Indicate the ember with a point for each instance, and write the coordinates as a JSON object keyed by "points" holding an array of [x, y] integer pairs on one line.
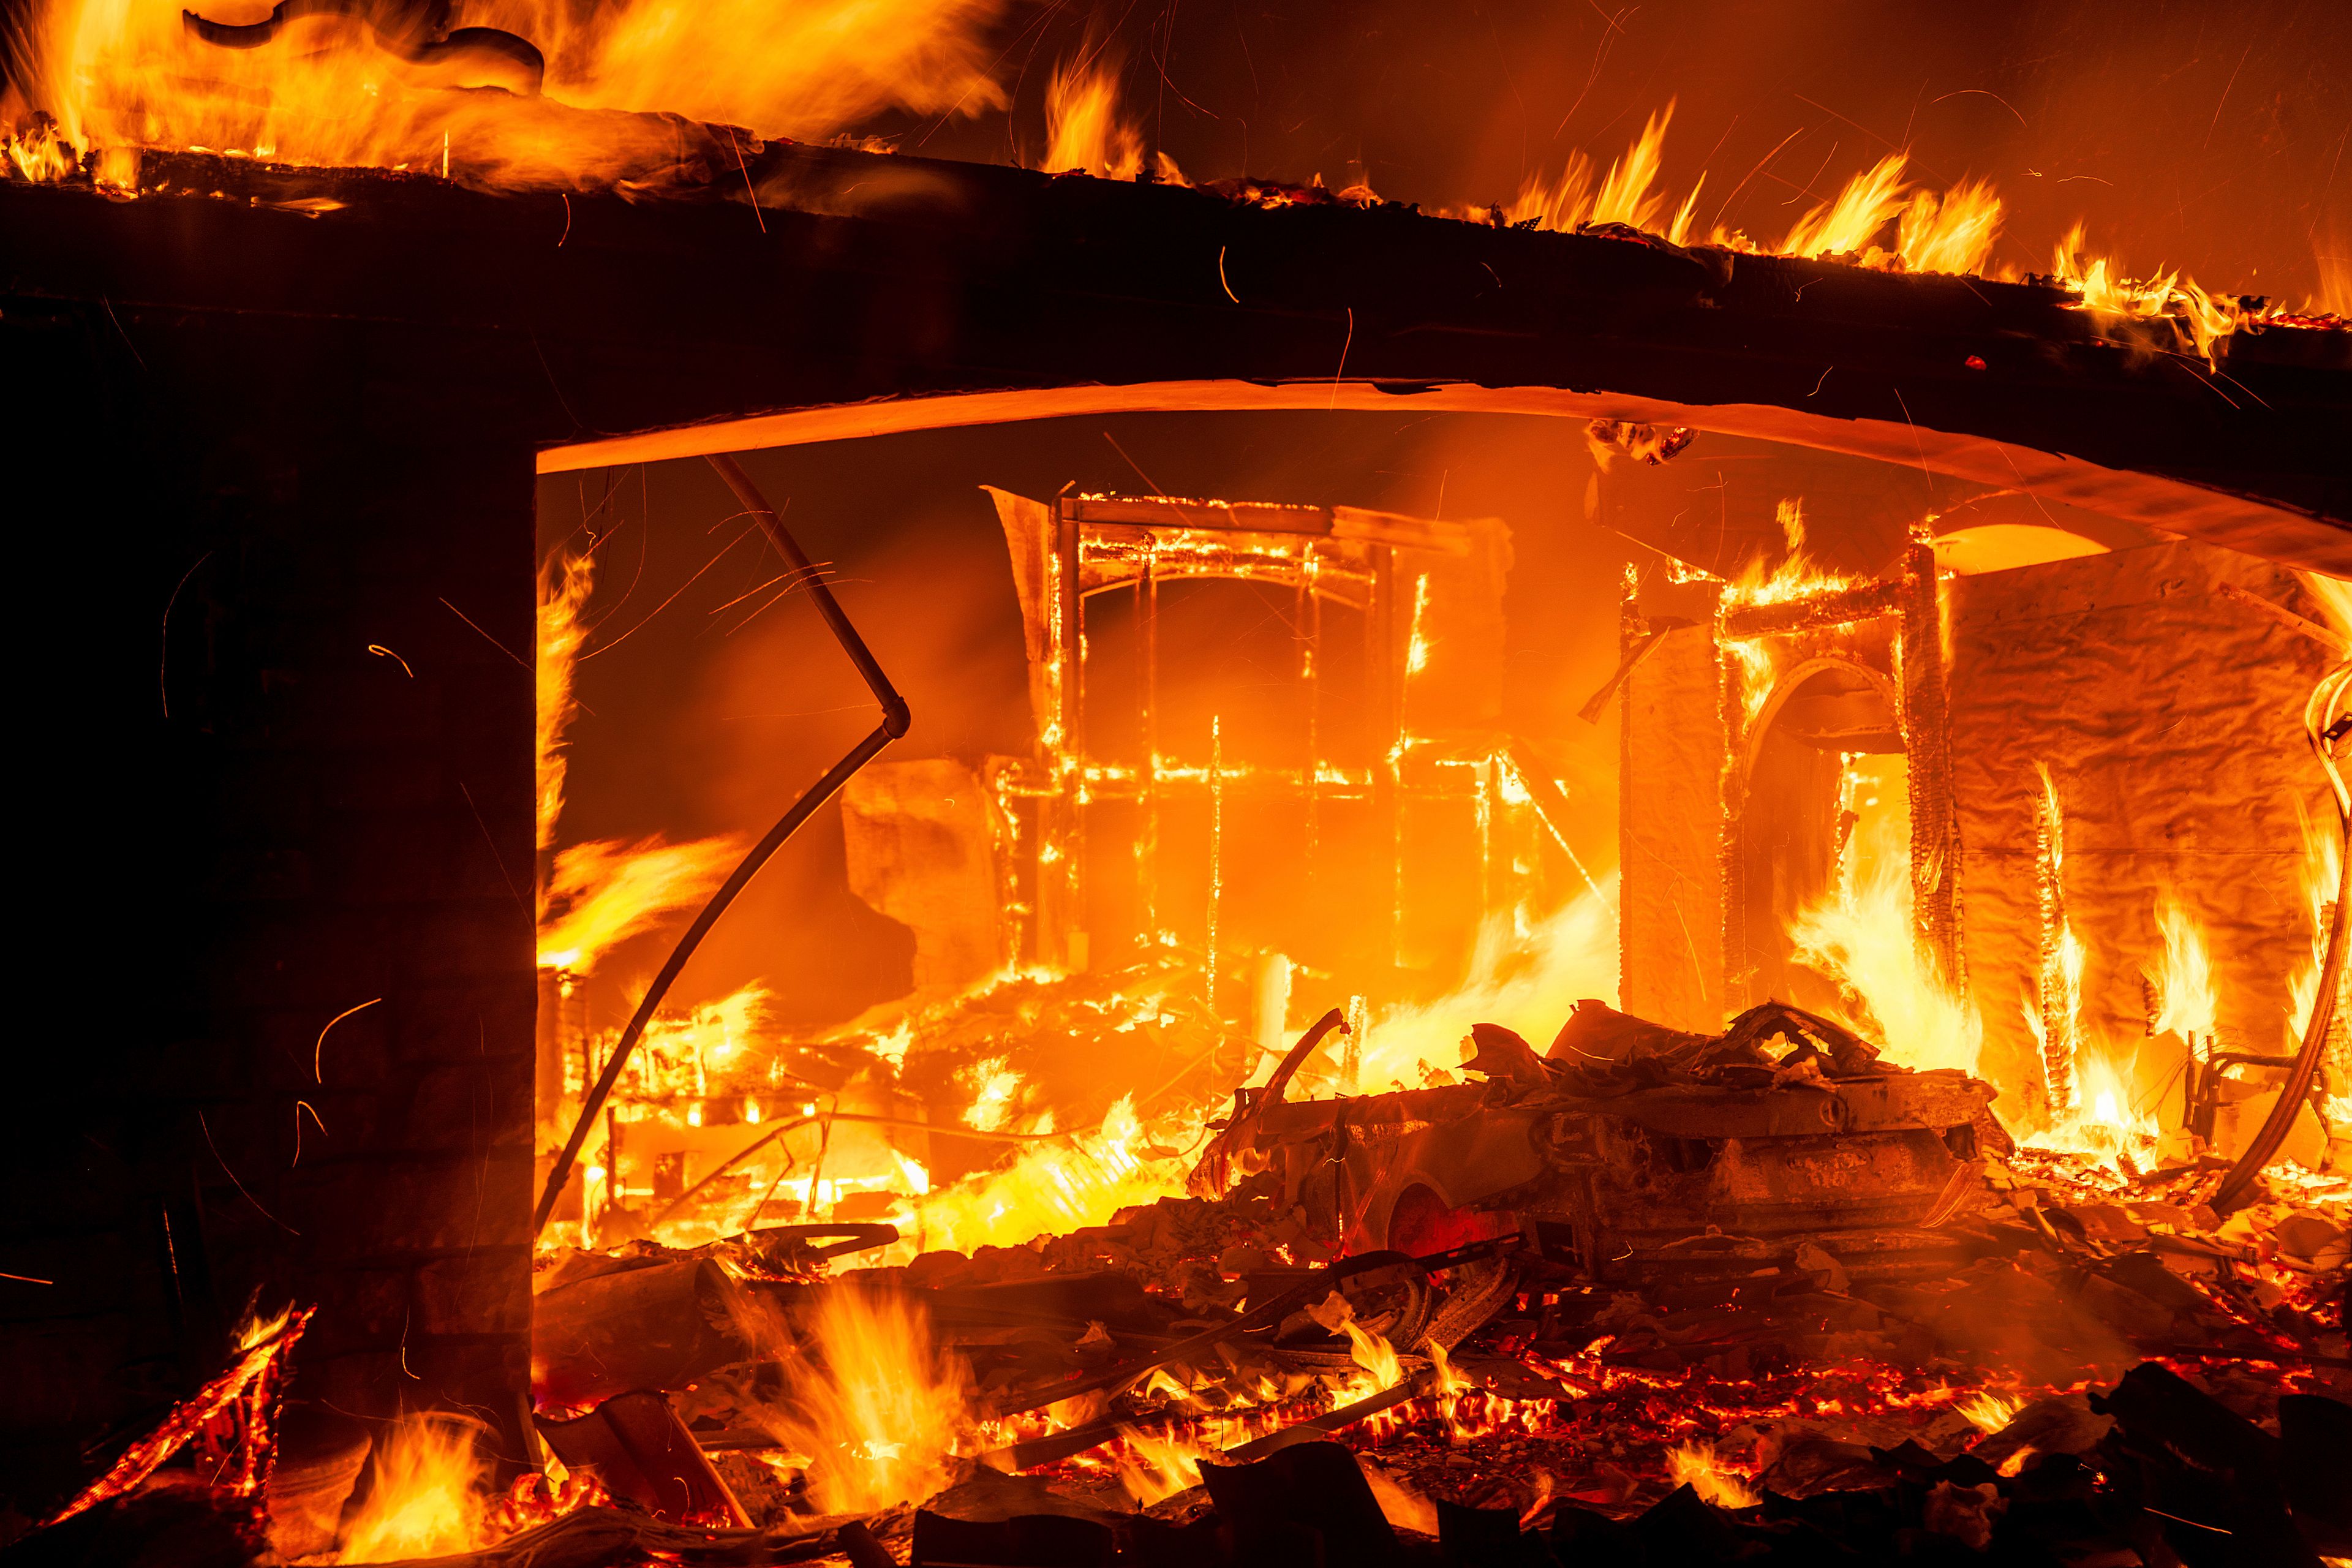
{"points": [[1078, 889]]}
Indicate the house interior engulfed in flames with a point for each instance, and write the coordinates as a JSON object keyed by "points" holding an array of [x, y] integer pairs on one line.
{"points": [[1654, 874]]}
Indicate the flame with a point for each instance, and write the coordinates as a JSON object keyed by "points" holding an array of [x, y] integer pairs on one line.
{"points": [[1795, 575], [998, 1086], [609, 891], [1156, 1466], [1375, 1356], [333, 91], [1084, 130], [1625, 194], [2321, 869], [1989, 1411], [427, 1499], [1953, 234], [563, 591], [1525, 976], [1863, 936], [1848, 225], [882, 1415], [1051, 1188], [2103, 287], [2186, 1003], [1696, 1465]]}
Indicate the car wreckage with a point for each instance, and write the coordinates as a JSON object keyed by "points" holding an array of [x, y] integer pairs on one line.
{"points": [[1637, 1154]]}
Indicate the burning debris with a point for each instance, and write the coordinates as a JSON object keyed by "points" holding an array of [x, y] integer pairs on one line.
{"points": [[2085, 1360], [1930, 1142]]}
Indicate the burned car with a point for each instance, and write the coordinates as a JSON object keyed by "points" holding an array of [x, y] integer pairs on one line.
{"points": [[1637, 1154]]}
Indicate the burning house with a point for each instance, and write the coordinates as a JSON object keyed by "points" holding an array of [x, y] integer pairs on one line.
{"points": [[1770, 985]]}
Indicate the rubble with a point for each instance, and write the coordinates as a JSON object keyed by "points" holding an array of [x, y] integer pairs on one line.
{"points": [[2109, 1372]]}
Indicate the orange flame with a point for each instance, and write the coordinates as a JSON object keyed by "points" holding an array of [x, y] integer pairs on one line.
{"points": [[1084, 127]]}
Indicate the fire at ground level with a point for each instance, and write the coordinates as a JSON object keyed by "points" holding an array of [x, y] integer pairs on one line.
{"points": [[1479, 1277], [1667, 1331]]}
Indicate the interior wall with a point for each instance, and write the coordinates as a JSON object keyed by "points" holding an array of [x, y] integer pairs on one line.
{"points": [[2172, 719]]}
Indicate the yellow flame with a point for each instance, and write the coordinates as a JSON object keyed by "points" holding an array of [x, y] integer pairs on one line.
{"points": [[1861, 934], [1624, 195], [1375, 1356], [2321, 869], [1953, 234], [1159, 1466], [428, 1496], [1848, 225], [609, 891], [1525, 975], [1988, 1411], [1084, 127], [1696, 1465], [2103, 287], [1050, 1189], [1795, 575], [998, 1086], [882, 1416], [2186, 1003]]}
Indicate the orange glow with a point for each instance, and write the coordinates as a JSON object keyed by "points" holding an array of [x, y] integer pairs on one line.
{"points": [[427, 1499]]}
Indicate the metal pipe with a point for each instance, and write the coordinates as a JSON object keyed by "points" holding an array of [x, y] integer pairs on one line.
{"points": [[2324, 728], [895, 720]]}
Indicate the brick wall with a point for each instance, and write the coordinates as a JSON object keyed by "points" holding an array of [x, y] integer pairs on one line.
{"points": [[242, 822]]}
